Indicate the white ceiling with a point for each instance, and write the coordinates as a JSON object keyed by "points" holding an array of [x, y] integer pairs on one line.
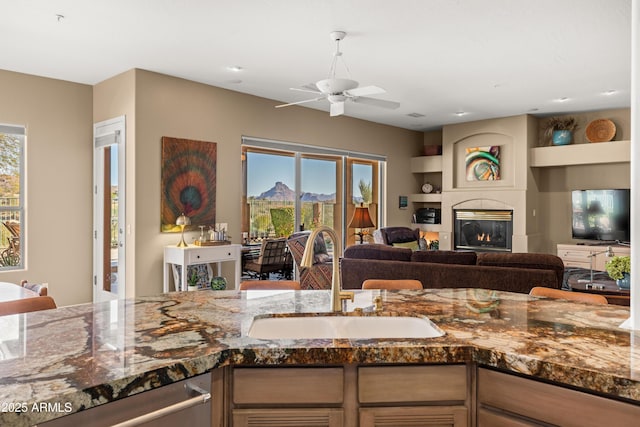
{"points": [[488, 58]]}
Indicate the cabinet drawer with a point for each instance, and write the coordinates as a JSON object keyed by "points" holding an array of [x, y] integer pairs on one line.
{"points": [[576, 264], [387, 384], [288, 386], [568, 254], [204, 255]]}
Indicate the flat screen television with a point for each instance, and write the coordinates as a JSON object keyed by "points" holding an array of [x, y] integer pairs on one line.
{"points": [[601, 215]]}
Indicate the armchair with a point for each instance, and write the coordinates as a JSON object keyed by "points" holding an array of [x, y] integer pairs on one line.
{"points": [[319, 275]]}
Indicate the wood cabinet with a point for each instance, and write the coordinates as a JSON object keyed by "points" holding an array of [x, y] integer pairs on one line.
{"points": [[510, 400], [438, 395], [580, 255], [348, 395]]}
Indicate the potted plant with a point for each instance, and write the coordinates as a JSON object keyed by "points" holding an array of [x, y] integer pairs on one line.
{"points": [[192, 281], [560, 129], [619, 268]]}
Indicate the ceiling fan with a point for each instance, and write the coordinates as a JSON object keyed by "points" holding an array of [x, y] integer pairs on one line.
{"points": [[340, 90]]}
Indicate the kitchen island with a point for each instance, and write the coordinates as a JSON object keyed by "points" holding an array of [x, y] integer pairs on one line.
{"points": [[75, 358]]}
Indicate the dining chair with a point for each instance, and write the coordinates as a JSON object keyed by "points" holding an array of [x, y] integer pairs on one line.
{"points": [[26, 305], [541, 291], [269, 284], [392, 284], [270, 260]]}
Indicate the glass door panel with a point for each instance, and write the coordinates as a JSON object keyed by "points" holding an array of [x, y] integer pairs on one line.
{"points": [[319, 194], [363, 189], [270, 195]]}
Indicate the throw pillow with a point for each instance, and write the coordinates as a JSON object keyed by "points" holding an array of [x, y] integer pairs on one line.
{"points": [[401, 235], [409, 245]]}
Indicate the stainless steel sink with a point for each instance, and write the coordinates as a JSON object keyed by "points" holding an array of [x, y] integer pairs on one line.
{"points": [[348, 327]]}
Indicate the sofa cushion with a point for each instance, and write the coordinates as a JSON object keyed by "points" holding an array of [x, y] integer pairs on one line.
{"points": [[523, 260], [445, 257], [378, 251]]}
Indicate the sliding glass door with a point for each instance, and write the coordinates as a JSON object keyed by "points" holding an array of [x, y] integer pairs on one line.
{"points": [[287, 192], [290, 187]]}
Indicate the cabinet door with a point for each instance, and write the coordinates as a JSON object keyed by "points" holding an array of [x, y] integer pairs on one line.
{"points": [[548, 403], [440, 416], [311, 417]]}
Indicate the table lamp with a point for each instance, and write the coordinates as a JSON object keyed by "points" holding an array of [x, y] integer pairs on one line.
{"points": [[182, 221], [590, 283], [361, 220]]}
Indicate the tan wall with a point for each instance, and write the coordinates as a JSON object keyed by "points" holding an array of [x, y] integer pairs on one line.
{"points": [[169, 106], [57, 115]]}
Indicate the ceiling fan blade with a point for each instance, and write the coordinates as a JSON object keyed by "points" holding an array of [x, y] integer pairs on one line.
{"points": [[320, 98], [364, 91], [305, 89], [337, 109], [377, 102]]}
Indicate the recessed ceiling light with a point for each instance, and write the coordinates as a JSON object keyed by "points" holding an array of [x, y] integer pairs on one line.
{"points": [[533, 110], [415, 115], [563, 99], [461, 113], [235, 68], [609, 92], [59, 17]]}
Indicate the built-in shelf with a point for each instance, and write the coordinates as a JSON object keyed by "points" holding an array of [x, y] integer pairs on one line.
{"points": [[427, 227], [580, 154], [425, 198], [425, 164]]}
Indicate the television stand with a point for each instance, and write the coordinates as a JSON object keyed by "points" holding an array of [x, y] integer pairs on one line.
{"points": [[579, 256]]}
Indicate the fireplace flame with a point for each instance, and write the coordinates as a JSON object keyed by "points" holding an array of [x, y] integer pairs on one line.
{"points": [[484, 237]]}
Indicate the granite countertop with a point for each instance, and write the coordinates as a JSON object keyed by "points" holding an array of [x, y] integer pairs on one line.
{"points": [[81, 356]]}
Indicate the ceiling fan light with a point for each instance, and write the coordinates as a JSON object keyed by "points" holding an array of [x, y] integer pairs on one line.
{"points": [[336, 86]]}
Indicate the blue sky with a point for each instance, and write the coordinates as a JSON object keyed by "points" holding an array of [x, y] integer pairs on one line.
{"points": [[264, 170]]}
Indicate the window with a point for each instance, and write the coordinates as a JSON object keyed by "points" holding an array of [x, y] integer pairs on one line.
{"points": [[12, 139], [291, 187]]}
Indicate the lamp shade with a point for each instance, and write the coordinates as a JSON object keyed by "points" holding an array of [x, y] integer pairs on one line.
{"points": [[183, 220], [361, 218]]}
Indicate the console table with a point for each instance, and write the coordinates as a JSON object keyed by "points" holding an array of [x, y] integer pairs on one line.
{"points": [[192, 255], [605, 287]]}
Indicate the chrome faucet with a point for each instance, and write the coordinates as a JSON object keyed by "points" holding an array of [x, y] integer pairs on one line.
{"points": [[337, 295]]}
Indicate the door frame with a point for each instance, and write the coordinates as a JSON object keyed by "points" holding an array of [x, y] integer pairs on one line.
{"points": [[107, 133]]}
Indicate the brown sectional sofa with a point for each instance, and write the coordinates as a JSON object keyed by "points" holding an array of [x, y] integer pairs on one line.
{"points": [[515, 272]]}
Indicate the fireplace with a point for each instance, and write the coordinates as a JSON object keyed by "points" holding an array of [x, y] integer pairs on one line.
{"points": [[483, 230]]}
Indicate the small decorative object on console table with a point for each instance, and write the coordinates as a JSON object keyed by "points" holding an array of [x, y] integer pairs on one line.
{"points": [[560, 129], [619, 268], [362, 220]]}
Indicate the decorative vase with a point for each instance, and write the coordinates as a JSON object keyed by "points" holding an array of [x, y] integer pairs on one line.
{"points": [[561, 137], [218, 283], [625, 282], [192, 287]]}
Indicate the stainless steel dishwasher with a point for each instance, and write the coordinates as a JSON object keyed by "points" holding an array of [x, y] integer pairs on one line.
{"points": [[186, 403]]}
